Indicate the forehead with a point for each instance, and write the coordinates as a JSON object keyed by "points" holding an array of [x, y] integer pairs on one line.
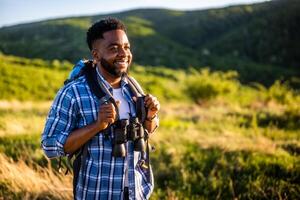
{"points": [[113, 37]]}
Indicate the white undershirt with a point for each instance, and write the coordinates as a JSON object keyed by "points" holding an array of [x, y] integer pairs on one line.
{"points": [[124, 111]]}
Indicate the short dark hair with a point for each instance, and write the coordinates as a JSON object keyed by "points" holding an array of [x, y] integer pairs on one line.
{"points": [[98, 28]]}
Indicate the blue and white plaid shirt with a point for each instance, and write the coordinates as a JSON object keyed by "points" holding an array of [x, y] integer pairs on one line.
{"points": [[75, 106]]}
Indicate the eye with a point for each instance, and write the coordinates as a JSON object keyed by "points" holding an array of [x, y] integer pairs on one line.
{"points": [[113, 49], [127, 47]]}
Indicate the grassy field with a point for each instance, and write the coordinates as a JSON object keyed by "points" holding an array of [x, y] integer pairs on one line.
{"points": [[218, 139]]}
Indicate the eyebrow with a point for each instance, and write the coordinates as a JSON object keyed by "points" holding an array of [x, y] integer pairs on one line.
{"points": [[116, 44]]}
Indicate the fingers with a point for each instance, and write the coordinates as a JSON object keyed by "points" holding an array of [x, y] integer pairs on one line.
{"points": [[148, 99], [107, 113], [152, 103], [134, 99], [118, 103], [109, 120], [154, 106], [107, 107]]}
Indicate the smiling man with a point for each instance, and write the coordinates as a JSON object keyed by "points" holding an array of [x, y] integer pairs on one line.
{"points": [[107, 134]]}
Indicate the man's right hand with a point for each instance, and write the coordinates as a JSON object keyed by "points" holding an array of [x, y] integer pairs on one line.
{"points": [[106, 115]]}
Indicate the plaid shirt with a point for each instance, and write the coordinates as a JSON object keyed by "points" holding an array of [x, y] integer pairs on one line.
{"points": [[103, 175]]}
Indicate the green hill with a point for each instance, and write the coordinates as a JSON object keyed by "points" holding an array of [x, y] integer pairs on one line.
{"points": [[260, 41], [38, 80], [30, 79]]}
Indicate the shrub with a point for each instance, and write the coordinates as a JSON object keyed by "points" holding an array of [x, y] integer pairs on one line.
{"points": [[281, 93], [206, 85]]}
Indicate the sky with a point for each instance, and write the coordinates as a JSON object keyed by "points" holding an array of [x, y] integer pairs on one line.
{"points": [[17, 11]]}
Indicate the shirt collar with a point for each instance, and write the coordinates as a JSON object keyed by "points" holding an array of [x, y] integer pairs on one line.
{"points": [[124, 81]]}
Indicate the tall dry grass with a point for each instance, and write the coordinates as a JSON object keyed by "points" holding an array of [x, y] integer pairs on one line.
{"points": [[24, 182], [18, 118], [215, 125]]}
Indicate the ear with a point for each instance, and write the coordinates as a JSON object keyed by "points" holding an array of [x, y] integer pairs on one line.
{"points": [[96, 56], [96, 45]]}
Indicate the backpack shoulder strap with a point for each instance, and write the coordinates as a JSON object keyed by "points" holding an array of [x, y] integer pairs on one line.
{"points": [[134, 84], [91, 77], [138, 92]]}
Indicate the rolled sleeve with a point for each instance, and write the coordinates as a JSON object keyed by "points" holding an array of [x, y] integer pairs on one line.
{"points": [[61, 121]]}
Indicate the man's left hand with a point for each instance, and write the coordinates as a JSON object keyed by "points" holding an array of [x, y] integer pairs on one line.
{"points": [[152, 104]]}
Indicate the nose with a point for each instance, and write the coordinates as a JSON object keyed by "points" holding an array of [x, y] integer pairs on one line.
{"points": [[122, 52]]}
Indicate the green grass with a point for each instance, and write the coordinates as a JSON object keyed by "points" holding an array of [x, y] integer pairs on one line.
{"points": [[25, 147], [223, 140], [217, 174], [23, 79]]}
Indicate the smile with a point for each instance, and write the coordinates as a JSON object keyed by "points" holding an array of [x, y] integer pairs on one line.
{"points": [[125, 62]]}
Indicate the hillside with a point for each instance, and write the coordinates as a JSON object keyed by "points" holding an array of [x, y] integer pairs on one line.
{"points": [[31, 79], [260, 41], [221, 140]]}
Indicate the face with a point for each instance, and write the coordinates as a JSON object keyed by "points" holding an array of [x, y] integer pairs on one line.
{"points": [[112, 53]]}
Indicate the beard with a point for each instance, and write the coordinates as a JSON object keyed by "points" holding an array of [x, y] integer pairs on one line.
{"points": [[112, 69]]}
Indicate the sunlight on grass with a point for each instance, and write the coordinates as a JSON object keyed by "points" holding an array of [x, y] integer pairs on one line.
{"points": [[22, 117], [218, 139], [23, 182]]}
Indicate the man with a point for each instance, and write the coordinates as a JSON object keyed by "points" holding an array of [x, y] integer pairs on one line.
{"points": [[78, 119]]}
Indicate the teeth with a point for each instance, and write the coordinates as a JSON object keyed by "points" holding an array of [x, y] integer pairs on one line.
{"points": [[121, 62]]}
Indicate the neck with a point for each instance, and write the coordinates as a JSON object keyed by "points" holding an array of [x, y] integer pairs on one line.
{"points": [[114, 81]]}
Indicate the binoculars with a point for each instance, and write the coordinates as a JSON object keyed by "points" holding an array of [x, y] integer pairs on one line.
{"points": [[125, 130]]}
